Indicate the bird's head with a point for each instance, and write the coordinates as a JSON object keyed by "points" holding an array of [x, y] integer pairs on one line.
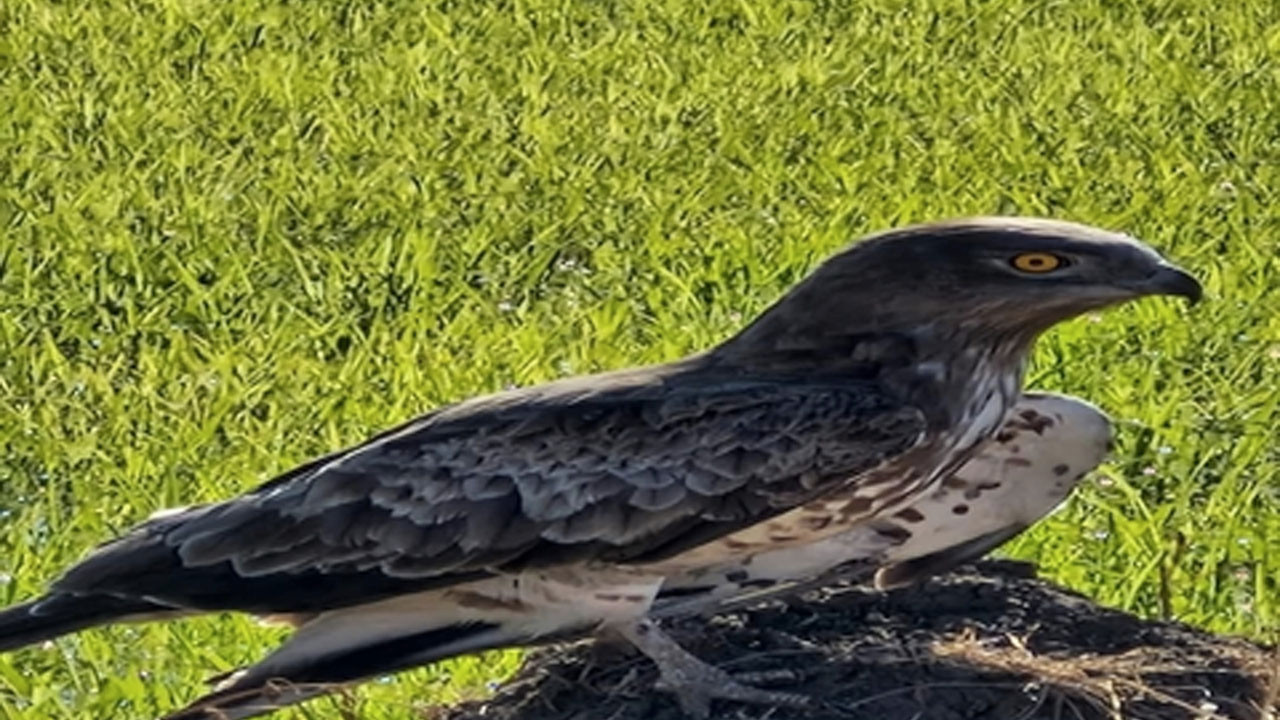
{"points": [[1006, 273], [997, 278]]}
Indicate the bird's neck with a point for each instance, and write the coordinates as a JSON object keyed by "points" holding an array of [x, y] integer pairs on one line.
{"points": [[932, 367], [959, 374], [862, 350]]}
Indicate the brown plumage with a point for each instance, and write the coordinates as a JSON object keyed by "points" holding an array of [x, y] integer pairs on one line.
{"points": [[563, 506], [1046, 444]]}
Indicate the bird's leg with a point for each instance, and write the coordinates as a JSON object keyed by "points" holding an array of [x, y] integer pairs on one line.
{"points": [[856, 571], [695, 683], [714, 602]]}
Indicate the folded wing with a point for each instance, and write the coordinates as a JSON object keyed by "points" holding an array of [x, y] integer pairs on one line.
{"points": [[564, 473]]}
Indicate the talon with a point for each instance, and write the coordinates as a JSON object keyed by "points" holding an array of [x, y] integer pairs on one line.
{"points": [[766, 677], [695, 683]]}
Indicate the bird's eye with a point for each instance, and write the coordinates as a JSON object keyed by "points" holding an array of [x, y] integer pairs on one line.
{"points": [[1037, 262]]}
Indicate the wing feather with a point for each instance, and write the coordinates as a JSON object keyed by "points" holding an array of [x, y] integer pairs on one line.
{"points": [[526, 479]]}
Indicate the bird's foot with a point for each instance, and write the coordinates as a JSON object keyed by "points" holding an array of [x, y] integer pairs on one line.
{"points": [[695, 688], [696, 683]]}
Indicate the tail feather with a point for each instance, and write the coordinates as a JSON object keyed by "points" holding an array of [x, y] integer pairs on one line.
{"points": [[913, 570], [270, 686], [59, 614], [252, 702]]}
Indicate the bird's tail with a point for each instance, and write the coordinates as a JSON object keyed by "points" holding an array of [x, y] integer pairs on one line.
{"points": [[341, 647], [60, 613], [913, 570]]}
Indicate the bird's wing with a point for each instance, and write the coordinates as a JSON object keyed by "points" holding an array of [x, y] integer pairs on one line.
{"points": [[518, 480]]}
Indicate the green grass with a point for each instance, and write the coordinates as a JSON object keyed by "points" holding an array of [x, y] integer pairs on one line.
{"points": [[237, 234]]}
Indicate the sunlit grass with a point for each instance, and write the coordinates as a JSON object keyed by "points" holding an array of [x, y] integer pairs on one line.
{"points": [[238, 234]]}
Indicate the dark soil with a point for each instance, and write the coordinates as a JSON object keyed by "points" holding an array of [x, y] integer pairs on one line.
{"points": [[990, 643]]}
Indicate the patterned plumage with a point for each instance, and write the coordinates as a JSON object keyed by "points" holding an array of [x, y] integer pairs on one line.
{"points": [[520, 516], [1046, 444]]}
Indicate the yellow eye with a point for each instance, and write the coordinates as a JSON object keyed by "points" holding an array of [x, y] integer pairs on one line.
{"points": [[1037, 262]]}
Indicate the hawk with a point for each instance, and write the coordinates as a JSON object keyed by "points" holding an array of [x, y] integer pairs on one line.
{"points": [[518, 517]]}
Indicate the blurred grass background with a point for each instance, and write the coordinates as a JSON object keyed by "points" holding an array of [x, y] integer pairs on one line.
{"points": [[238, 234]]}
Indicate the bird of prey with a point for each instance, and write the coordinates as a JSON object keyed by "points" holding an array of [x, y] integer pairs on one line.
{"points": [[513, 518]]}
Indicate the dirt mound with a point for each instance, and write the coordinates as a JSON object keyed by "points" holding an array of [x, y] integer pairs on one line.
{"points": [[990, 643]]}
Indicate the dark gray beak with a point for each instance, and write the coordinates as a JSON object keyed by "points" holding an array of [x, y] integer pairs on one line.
{"points": [[1173, 280]]}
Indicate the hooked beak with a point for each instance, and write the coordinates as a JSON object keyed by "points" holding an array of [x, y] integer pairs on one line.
{"points": [[1172, 280]]}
